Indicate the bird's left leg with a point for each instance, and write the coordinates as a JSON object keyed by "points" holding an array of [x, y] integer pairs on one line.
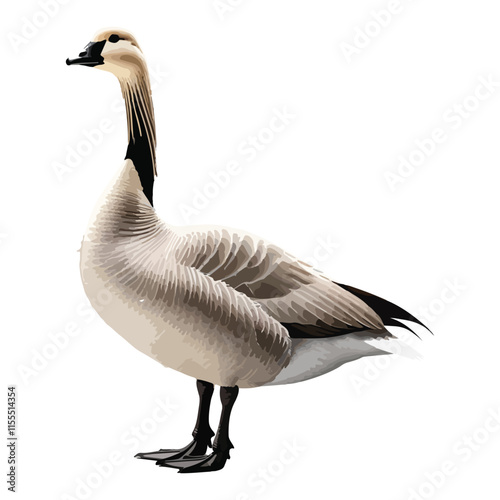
{"points": [[222, 444]]}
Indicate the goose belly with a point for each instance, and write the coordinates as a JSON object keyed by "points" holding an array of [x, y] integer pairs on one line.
{"points": [[174, 337]]}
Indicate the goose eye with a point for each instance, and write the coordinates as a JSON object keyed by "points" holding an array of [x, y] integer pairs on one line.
{"points": [[114, 38]]}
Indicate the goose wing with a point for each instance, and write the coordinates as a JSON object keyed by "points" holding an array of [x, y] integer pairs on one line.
{"points": [[303, 300]]}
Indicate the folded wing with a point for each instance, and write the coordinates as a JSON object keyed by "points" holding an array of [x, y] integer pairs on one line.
{"points": [[304, 301]]}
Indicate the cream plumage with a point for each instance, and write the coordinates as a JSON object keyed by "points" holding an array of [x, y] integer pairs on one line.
{"points": [[218, 304]]}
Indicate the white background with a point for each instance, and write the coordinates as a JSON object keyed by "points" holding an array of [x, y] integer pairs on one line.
{"points": [[371, 429]]}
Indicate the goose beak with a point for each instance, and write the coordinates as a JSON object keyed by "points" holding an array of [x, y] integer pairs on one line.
{"points": [[91, 56]]}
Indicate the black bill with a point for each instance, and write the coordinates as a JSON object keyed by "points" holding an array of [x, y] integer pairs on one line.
{"points": [[91, 56]]}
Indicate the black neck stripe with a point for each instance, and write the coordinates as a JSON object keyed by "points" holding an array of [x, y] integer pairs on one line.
{"points": [[140, 152]]}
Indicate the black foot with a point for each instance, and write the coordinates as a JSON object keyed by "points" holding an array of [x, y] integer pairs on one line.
{"points": [[207, 463], [194, 448]]}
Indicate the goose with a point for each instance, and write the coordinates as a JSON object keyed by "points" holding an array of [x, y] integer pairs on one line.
{"points": [[221, 305]]}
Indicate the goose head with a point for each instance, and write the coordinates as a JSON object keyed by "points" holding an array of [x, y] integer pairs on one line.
{"points": [[113, 50]]}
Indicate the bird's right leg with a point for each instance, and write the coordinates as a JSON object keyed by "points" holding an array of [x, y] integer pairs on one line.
{"points": [[202, 433]]}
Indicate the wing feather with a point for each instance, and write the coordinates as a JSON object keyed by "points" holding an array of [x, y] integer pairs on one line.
{"points": [[288, 290]]}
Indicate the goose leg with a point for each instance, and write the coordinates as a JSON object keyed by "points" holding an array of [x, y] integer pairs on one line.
{"points": [[222, 444], [202, 433]]}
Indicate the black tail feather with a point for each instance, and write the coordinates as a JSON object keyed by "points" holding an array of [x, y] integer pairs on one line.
{"points": [[389, 313], [395, 322]]}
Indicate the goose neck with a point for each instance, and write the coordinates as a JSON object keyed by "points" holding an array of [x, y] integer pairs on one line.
{"points": [[141, 148]]}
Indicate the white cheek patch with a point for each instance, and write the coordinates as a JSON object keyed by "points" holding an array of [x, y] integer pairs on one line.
{"points": [[111, 48], [112, 54]]}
